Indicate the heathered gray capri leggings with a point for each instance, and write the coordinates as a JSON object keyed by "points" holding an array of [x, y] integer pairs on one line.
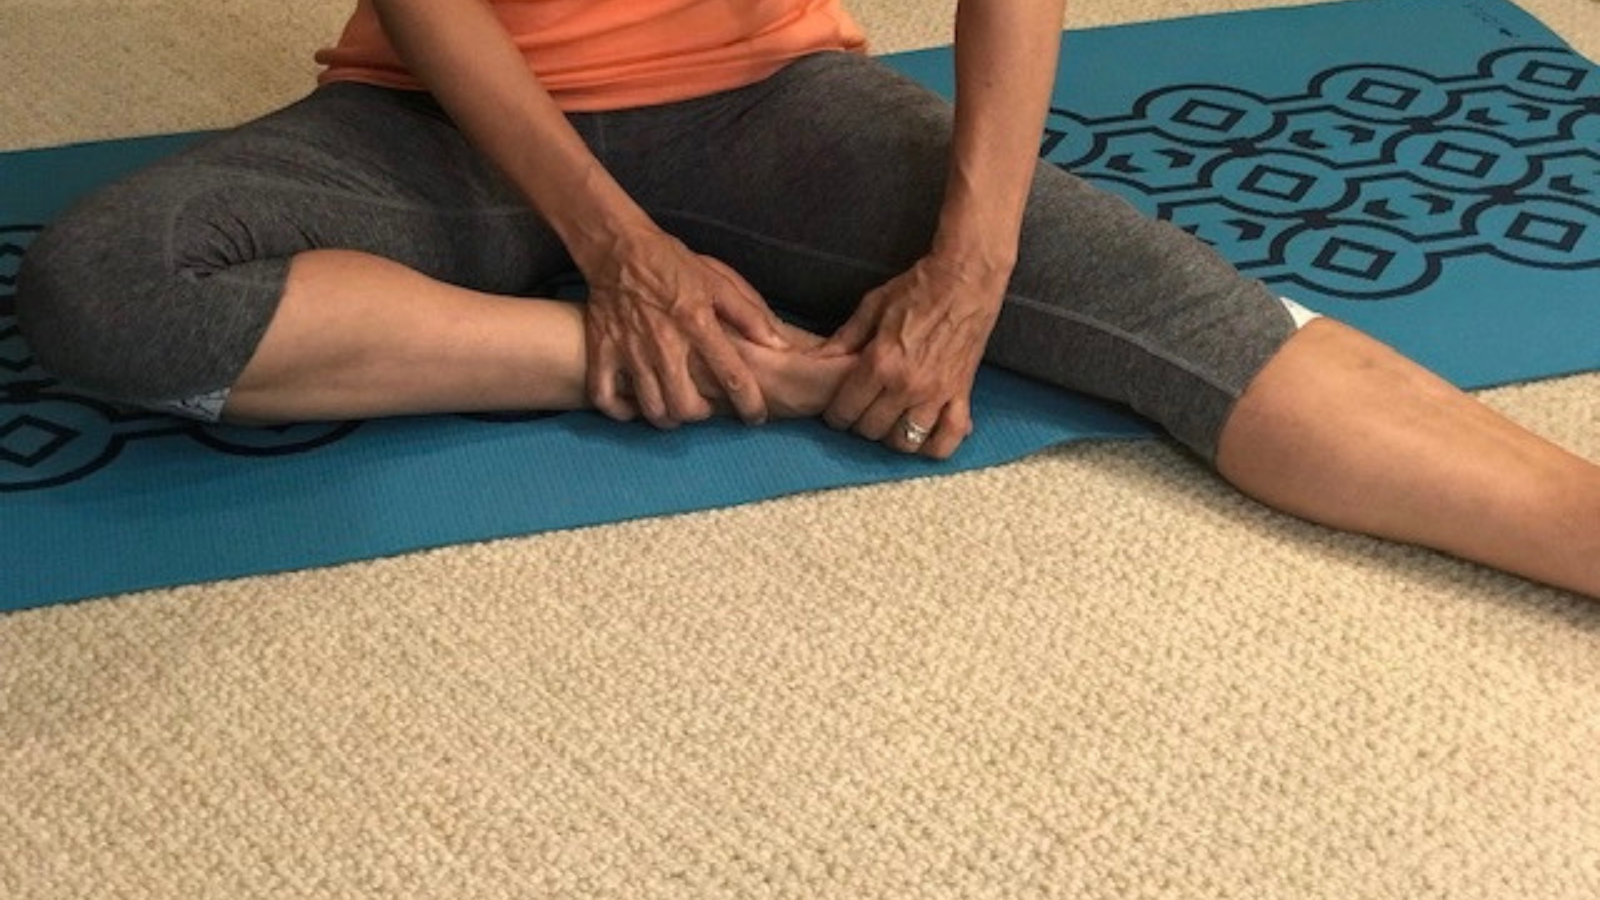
{"points": [[817, 185]]}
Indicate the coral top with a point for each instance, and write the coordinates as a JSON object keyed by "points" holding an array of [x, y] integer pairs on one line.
{"points": [[613, 54]]}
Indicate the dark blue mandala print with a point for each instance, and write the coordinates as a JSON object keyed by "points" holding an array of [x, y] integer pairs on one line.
{"points": [[1369, 183]]}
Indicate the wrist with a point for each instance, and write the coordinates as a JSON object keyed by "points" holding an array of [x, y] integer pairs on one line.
{"points": [[978, 239], [982, 263], [595, 218], [602, 245]]}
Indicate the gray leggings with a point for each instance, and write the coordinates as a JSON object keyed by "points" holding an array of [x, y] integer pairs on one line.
{"points": [[817, 185]]}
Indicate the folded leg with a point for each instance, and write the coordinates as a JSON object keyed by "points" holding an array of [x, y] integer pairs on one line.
{"points": [[355, 228]]}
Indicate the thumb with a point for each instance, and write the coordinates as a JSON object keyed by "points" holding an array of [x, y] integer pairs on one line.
{"points": [[853, 335]]}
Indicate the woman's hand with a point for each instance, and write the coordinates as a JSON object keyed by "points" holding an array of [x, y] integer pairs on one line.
{"points": [[656, 315], [922, 335], [920, 338]]}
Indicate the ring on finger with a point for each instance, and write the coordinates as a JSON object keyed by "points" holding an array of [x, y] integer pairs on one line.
{"points": [[913, 433]]}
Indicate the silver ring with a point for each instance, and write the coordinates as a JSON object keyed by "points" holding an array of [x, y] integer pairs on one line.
{"points": [[912, 432]]}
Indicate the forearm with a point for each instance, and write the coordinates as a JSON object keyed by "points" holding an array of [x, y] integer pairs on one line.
{"points": [[462, 53], [1005, 67]]}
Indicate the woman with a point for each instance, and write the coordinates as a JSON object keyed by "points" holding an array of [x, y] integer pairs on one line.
{"points": [[371, 250]]}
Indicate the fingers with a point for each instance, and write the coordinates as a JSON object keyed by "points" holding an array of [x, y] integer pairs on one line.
{"points": [[648, 395], [607, 383], [730, 371], [678, 399], [912, 429], [885, 399], [931, 428], [742, 307], [859, 392], [935, 430], [953, 427], [733, 302], [630, 376], [655, 378]]}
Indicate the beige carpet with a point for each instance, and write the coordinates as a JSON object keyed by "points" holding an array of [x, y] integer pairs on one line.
{"points": [[1093, 674]]}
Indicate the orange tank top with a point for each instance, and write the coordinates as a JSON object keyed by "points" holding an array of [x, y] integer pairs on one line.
{"points": [[614, 54]]}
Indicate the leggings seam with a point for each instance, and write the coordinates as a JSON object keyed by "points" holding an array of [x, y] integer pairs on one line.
{"points": [[1021, 300], [1136, 340], [180, 208], [292, 187], [778, 243]]}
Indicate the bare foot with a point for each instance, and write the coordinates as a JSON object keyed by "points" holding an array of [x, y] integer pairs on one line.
{"points": [[795, 384]]}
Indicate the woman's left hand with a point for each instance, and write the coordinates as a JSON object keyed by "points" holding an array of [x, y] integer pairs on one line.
{"points": [[920, 338]]}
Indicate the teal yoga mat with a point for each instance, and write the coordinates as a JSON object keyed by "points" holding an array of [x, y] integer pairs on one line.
{"points": [[1443, 193]]}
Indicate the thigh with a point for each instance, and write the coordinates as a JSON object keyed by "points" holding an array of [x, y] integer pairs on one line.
{"points": [[1113, 303], [351, 167]]}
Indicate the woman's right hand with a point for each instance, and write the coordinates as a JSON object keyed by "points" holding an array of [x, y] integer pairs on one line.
{"points": [[657, 312]]}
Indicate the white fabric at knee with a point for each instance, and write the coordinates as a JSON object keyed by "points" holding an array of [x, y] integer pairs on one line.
{"points": [[1299, 313]]}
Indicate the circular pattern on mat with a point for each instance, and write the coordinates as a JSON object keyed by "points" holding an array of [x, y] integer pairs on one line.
{"points": [[1376, 179]]}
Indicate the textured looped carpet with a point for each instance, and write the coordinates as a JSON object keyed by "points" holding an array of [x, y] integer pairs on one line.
{"points": [[1096, 673]]}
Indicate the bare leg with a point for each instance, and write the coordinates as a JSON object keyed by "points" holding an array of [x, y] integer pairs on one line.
{"points": [[357, 336], [1342, 430]]}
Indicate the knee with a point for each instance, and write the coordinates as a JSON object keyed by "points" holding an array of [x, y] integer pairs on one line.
{"points": [[63, 317], [85, 311]]}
